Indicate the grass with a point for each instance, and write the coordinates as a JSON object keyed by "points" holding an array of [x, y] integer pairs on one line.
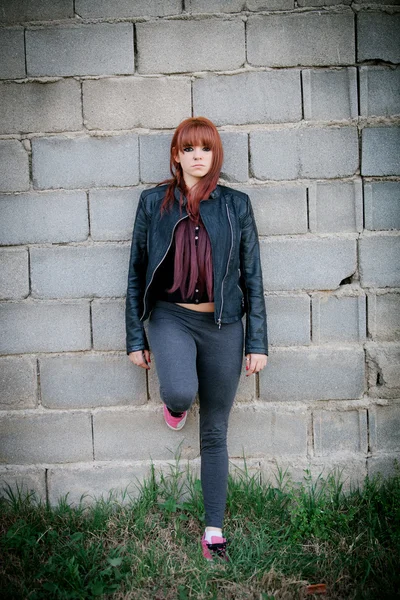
{"points": [[283, 537]]}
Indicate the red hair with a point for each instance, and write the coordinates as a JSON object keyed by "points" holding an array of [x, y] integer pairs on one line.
{"points": [[195, 131]]}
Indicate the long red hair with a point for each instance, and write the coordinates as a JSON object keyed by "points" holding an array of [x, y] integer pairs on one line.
{"points": [[194, 131]]}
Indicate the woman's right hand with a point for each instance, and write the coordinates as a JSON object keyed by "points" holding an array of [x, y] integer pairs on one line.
{"points": [[141, 358]]}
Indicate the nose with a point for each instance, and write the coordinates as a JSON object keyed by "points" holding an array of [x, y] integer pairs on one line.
{"points": [[197, 153]]}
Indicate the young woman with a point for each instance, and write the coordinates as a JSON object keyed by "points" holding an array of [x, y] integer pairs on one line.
{"points": [[194, 271]]}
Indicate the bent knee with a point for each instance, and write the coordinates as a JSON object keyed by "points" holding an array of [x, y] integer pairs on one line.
{"points": [[177, 401]]}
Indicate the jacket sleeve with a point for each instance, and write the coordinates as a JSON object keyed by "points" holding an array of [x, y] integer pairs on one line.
{"points": [[256, 338], [135, 334]]}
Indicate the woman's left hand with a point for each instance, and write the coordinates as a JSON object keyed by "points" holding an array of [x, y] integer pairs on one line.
{"points": [[255, 363]]}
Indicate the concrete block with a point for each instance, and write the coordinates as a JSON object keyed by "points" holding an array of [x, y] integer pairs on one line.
{"points": [[154, 157], [24, 480], [14, 166], [108, 317], [273, 431], [90, 381], [136, 102], [213, 6], [256, 5], [308, 263], [383, 370], [88, 482], [19, 11], [14, 276], [279, 209], [321, 3], [43, 218], [235, 167], [382, 205], [379, 260], [384, 317], [380, 151], [103, 9], [377, 36], [308, 374], [44, 327], [350, 470], [338, 318], [337, 432], [222, 43], [112, 213], [45, 438], [330, 94], [303, 38], [387, 465], [76, 271], [84, 49], [379, 91], [12, 53], [143, 435], [61, 162], [384, 423], [42, 107], [288, 320], [275, 97], [308, 152], [335, 207], [18, 382]]}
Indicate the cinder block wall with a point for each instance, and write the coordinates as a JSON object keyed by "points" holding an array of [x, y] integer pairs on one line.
{"points": [[306, 96]]}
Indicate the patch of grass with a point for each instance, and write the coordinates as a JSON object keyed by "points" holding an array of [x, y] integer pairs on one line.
{"points": [[283, 536]]}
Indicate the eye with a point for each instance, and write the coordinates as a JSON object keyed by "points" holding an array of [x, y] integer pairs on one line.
{"points": [[188, 149], [207, 149]]}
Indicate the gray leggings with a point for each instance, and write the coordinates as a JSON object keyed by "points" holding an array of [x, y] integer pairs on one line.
{"points": [[191, 354]]}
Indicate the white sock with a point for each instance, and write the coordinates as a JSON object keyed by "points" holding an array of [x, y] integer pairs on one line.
{"points": [[210, 532]]}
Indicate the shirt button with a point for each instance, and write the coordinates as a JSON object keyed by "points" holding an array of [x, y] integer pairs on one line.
{"points": [[196, 301], [196, 237], [196, 290]]}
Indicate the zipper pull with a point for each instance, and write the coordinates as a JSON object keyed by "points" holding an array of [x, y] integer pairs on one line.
{"points": [[219, 323]]}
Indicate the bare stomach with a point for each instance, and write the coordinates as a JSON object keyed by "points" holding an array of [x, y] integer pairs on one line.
{"points": [[202, 307]]}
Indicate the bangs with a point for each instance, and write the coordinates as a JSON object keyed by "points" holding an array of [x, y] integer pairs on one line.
{"points": [[197, 134]]}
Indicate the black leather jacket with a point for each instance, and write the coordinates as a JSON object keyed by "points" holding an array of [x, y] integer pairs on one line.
{"points": [[238, 286]]}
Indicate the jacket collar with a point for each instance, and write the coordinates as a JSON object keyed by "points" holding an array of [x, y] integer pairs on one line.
{"points": [[214, 194]]}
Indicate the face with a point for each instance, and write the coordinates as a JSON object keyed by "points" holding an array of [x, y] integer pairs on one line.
{"points": [[195, 162]]}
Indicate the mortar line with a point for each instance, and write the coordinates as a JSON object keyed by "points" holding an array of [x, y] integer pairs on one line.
{"points": [[29, 272], [25, 57], [311, 314], [368, 434], [311, 445], [91, 324], [135, 48], [82, 110], [308, 208], [46, 485], [191, 96], [302, 94], [39, 389], [88, 214], [92, 429]]}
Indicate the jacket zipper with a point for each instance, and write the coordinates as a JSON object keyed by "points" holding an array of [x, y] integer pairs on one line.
{"points": [[152, 276], [227, 268]]}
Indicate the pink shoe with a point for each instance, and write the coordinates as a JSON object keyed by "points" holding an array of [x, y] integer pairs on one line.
{"points": [[174, 422], [217, 548]]}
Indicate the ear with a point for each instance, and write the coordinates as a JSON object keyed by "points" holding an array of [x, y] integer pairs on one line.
{"points": [[175, 155]]}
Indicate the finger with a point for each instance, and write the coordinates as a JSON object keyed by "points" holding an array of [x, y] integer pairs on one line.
{"points": [[252, 364], [147, 356]]}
